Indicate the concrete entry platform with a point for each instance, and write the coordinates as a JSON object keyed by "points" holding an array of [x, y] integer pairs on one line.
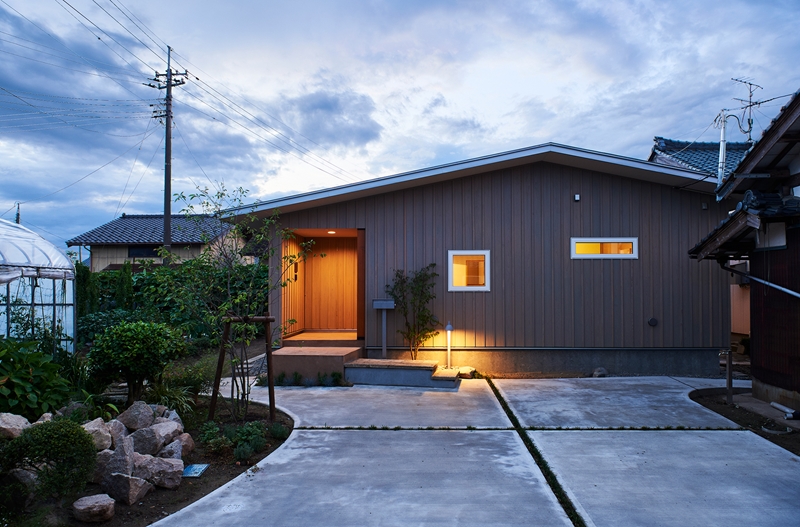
{"points": [[674, 477], [397, 372], [471, 405], [386, 477], [610, 402], [311, 361]]}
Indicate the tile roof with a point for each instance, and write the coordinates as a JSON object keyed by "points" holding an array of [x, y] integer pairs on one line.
{"points": [[702, 157], [133, 229]]}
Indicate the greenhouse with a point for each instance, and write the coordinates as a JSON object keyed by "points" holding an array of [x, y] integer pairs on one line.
{"points": [[36, 288]]}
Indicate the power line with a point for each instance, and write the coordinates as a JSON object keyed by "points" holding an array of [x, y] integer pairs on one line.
{"points": [[143, 173], [133, 165], [74, 182], [213, 184], [128, 30]]}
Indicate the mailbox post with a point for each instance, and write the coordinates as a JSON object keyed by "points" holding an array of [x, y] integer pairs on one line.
{"points": [[383, 304]]}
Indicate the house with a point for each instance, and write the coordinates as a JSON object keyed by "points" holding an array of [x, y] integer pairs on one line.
{"points": [[704, 158], [137, 237], [763, 230], [551, 259]]}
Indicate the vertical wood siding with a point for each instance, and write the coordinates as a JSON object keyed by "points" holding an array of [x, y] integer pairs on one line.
{"points": [[540, 297], [293, 295], [775, 316]]}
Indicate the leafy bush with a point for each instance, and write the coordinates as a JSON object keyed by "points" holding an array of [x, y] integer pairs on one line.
{"points": [[243, 451], [208, 431], [60, 452], [278, 431], [173, 397], [93, 325], [250, 431], [197, 378], [412, 293], [219, 445], [30, 384], [137, 351]]}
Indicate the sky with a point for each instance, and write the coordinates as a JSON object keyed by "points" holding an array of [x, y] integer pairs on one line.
{"points": [[287, 97]]}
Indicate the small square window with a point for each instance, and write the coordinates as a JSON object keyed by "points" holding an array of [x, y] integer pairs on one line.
{"points": [[468, 271], [604, 248]]}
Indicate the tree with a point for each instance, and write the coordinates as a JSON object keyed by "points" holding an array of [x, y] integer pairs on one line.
{"points": [[136, 351], [124, 291], [412, 294], [237, 274]]}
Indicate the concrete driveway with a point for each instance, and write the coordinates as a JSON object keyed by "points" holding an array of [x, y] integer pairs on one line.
{"points": [[457, 460]]}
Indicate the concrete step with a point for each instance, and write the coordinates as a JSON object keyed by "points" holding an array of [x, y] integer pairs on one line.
{"points": [[392, 372]]}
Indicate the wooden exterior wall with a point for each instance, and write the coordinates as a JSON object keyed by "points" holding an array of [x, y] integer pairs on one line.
{"points": [[331, 285], [293, 295], [540, 297], [105, 255], [775, 316]]}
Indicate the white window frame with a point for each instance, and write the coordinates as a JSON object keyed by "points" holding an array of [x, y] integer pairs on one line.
{"points": [[575, 256], [487, 268]]}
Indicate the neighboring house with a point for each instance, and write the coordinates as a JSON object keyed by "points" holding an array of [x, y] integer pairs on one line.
{"points": [[137, 237], [704, 158], [764, 230], [551, 259]]}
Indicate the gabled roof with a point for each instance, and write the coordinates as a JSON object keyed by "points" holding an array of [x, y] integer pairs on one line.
{"points": [[548, 152], [734, 238], [148, 229], [702, 157], [773, 158]]}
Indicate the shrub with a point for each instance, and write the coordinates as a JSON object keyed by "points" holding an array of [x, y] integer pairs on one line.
{"points": [[173, 397], [197, 378], [208, 431], [278, 431], [60, 452], [242, 452], [137, 351], [250, 431], [29, 381], [413, 293], [219, 445], [93, 325]]}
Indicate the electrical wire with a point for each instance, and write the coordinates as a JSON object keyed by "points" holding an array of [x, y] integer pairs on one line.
{"points": [[73, 183], [143, 173], [133, 165], [159, 57], [213, 184]]}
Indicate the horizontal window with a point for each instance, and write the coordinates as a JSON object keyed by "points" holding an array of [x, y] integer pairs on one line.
{"points": [[143, 251], [604, 248], [468, 270]]}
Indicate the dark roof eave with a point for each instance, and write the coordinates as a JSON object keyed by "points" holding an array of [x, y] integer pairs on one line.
{"points": [[730, 231]]}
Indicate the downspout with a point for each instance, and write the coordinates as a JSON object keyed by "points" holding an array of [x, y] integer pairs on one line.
{"points": [[722, 149], [760, 281]]}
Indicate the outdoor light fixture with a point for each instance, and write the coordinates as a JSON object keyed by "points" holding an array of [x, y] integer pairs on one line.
{"points": [[449, 329], [331, 232]]}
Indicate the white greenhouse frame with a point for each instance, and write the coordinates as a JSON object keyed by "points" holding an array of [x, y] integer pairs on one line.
{"points": [[38, 279]]}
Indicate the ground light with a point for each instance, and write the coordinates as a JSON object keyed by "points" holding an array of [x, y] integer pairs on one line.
{"points": [[449, 329]]}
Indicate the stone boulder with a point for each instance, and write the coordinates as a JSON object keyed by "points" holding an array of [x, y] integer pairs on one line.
{"points": [[99, 432], [167, 431], [173, 450], [12, 425], [122, 460], [600, 372], [76, 410], [44, 418], [158, 410], [94, 509], [138, 416], [172, 415], [147, 441], [162, 472], [126, 489], [187, 442], [101, 465], [117, 431]]}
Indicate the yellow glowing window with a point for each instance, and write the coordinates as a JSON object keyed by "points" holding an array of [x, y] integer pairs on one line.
{"points": [[468, 270], [604, 248]]}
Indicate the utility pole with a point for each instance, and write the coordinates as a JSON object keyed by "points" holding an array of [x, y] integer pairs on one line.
{"points": [[722, 121], [168, 83]]}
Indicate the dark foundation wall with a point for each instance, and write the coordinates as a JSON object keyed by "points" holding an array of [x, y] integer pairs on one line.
{"points": [[539, 297], [775, 316]]}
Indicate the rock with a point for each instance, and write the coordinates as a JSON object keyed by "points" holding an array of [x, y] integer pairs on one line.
{"points": [[29, 480], [599, 372], [26, 477], [127, 489], [12, 425], [94, 509], [159, 420], [101, 465], [173, 450], [99, 432], [147, 441], [138, 416], [187, 442], [158, 410], [167, 431], [44, 418], [466, 372], [76, 409], [122, 460], [172, 415], [162, 472], [117, 431]]}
